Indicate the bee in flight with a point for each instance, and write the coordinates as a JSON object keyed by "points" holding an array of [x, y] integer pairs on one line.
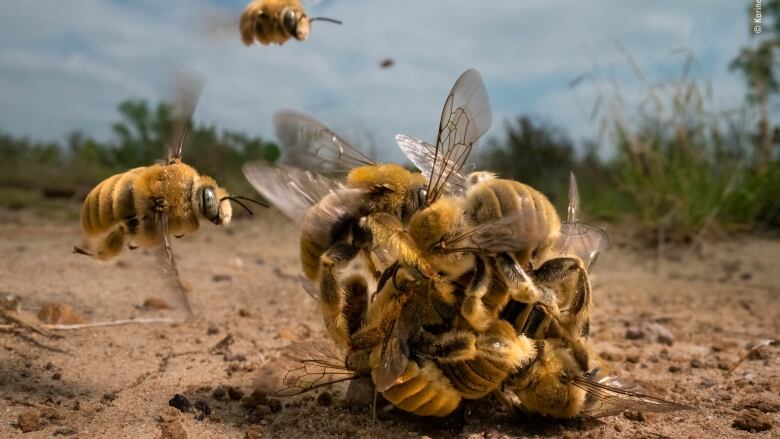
{"points": [[146, 205], [276, 21]]}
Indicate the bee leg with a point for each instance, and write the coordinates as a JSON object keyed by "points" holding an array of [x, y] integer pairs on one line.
{"points": [[80, 251], [567, 280], [112, 244], [388, 230], [332, 294], [521, 285]]}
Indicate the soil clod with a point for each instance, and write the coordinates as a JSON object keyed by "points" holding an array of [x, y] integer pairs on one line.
{"points": [[753, 422], [181, 402], [29, 420]]}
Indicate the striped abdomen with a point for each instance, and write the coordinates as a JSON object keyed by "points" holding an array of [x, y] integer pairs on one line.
{"points": [[423, 390], [109, 203], [499, 354], [538, 222]]}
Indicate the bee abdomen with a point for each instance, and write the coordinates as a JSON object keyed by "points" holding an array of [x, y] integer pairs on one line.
{"points": [[474, 378], [424, 391]]}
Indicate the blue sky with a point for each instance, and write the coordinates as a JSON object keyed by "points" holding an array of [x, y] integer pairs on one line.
{"points": [[66, 65]]}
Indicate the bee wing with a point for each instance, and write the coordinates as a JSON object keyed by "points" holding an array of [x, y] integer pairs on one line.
{"points": [[188, 89], [393, 360], [311, 145], [582, 240], [319, 364], [610, 396], [181, 300], [504, 234], [423, 155], [466, 116], [293, 191]]}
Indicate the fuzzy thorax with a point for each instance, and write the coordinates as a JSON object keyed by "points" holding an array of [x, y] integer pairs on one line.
{"points": [[391, 181]]}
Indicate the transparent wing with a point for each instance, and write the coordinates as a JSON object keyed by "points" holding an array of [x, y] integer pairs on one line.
{"points": [[582, 240], [466, 116], [422, 154], [293, 191], [610, 396], [509, 233], [392, 361], [309, 144], [319, 365], [188, 87], [578, 239]]}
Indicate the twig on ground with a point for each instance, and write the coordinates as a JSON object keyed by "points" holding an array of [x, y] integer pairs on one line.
{"points": [[112, 323]]}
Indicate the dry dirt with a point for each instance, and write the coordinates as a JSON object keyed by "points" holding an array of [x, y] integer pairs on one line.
{"points": [[117, 381]]}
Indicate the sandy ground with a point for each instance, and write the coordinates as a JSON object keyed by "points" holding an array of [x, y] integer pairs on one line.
{"points": [[117, 382]]}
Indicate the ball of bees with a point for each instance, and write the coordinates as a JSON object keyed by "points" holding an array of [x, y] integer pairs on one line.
{"points": [[487, 291], [276, 21]]}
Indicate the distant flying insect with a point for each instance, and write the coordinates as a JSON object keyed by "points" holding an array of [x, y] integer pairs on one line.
{"points": [[145, 206], [276, 21], [386, 63]]}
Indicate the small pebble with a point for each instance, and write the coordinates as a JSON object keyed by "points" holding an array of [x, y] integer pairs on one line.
{"points": [[696, 363], [220, 394], [634, 334], [634, 416], [674, 369], [255, 399], [212, 330], [243, 312], [203, 408], [235, 393], [181, 402], [753, 422], [29, 421], [221, 278], [325, 399]]}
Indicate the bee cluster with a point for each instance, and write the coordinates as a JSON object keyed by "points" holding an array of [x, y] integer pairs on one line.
{"points": [[443, 285]]}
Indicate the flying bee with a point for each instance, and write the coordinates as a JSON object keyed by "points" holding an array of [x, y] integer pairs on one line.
{"points": [[145, 206], [556, 384], [276, 21]]}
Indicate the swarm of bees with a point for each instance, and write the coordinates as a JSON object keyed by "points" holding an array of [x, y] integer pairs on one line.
{"points": [[276, 21], [441, 285]]}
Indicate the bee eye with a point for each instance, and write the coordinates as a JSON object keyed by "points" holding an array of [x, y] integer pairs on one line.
{"points": [[209, 205], [290, 22]]}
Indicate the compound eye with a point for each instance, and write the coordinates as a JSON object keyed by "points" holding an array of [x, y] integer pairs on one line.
{"points": [[565, 378], [290, 22], [210, 205]]}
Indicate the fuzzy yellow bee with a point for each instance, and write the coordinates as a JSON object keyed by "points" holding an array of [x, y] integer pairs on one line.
{"points": [[145, 206], [276, 21]]}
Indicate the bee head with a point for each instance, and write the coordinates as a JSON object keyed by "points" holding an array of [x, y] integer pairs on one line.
{"points": [[430, 227], [546, 386], [295, 23], [214, 204]]}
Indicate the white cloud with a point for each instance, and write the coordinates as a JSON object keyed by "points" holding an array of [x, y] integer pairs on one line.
{"points": [[66, 70]]}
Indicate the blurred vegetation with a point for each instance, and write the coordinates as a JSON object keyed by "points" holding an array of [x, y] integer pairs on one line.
{"points": [[41, 175], [676, 166]]}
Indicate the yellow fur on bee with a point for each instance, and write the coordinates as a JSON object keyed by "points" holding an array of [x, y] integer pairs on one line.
{"points": [[423, 390], [394, 177], [538, 221], [540, 388], [262, 21]]}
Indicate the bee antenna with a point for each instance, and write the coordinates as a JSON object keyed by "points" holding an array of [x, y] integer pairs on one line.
{"points": [[329, 20], [241, 197], [235, 200]]}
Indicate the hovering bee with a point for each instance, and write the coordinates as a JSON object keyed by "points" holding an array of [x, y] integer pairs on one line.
{"points": [[145, 206], [276, 21]]}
